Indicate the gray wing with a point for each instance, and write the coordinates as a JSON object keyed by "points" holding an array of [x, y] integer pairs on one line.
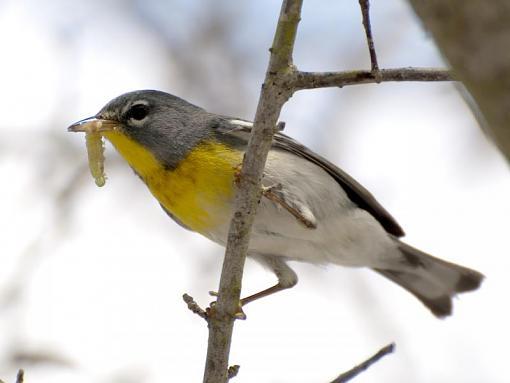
{"points": [[238, 131]]}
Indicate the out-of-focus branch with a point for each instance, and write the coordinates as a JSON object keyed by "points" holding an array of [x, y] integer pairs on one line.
{"points": [[272, 97], [20, 377], [474, 37], [353, 372]]}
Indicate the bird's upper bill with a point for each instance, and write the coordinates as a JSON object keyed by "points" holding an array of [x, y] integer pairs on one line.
{"points": [[94, 125]]}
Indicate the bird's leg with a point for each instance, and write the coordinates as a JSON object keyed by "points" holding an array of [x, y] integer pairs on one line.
{"points": [[261, 294], [264, 293], [287, 278]]}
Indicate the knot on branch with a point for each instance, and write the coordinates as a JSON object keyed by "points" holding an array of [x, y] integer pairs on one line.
{"points": [[233, 371]]}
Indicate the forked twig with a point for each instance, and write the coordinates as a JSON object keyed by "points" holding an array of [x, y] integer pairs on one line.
{"points": [[281, 81]]}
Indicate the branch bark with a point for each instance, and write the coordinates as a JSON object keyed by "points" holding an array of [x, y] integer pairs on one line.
{"points": [[272, 98], [474, 37], [313, 80]]}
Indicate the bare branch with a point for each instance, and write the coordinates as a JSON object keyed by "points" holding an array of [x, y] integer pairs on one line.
{"points": [[353, 372], [194, 307], [39, 357], [272, 98], [365, 8], [312, 80]]}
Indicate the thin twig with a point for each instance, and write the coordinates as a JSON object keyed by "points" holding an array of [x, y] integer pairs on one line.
{"points": [[312, 80], [365, 12], [193, 306], [353, 372], [272, 98]]}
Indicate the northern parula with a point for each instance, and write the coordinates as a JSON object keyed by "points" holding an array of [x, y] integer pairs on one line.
{"points": [[311, 210]]}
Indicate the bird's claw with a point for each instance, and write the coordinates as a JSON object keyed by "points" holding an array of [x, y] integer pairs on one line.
{"points": [[239, 313]]}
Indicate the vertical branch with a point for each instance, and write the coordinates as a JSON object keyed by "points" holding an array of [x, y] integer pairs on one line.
{"points": [[273, 95]]}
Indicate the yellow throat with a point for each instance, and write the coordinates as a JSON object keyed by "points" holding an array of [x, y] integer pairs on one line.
{"points": [[199, 191]]}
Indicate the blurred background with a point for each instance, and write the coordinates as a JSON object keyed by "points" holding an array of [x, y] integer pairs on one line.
{"points": [[91, 279]]}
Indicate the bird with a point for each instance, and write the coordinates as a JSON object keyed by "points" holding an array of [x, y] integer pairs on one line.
{"points": [[310, 211]]}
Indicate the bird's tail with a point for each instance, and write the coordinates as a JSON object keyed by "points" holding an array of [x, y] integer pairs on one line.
{"points": [[433, 281]]}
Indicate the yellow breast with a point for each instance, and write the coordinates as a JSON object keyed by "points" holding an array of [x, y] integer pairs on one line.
{"points": [[199, 191]]}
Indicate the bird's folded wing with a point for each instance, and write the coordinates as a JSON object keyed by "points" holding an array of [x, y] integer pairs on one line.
{"points": [[238, 131]]}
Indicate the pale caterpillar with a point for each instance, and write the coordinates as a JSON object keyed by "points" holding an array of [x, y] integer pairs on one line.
{"points": [[95, 152]]}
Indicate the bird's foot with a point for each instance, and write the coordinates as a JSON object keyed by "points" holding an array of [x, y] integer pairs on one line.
{"points": [[238, 314]]}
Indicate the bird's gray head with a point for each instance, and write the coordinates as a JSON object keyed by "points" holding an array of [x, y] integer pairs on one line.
{"points": [[168, 126]]}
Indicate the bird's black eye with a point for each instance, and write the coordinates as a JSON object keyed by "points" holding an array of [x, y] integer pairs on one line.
{"points": [[137, 112]]}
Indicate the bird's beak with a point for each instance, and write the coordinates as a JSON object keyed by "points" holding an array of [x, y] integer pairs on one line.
{"points": [[93, 125]]}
